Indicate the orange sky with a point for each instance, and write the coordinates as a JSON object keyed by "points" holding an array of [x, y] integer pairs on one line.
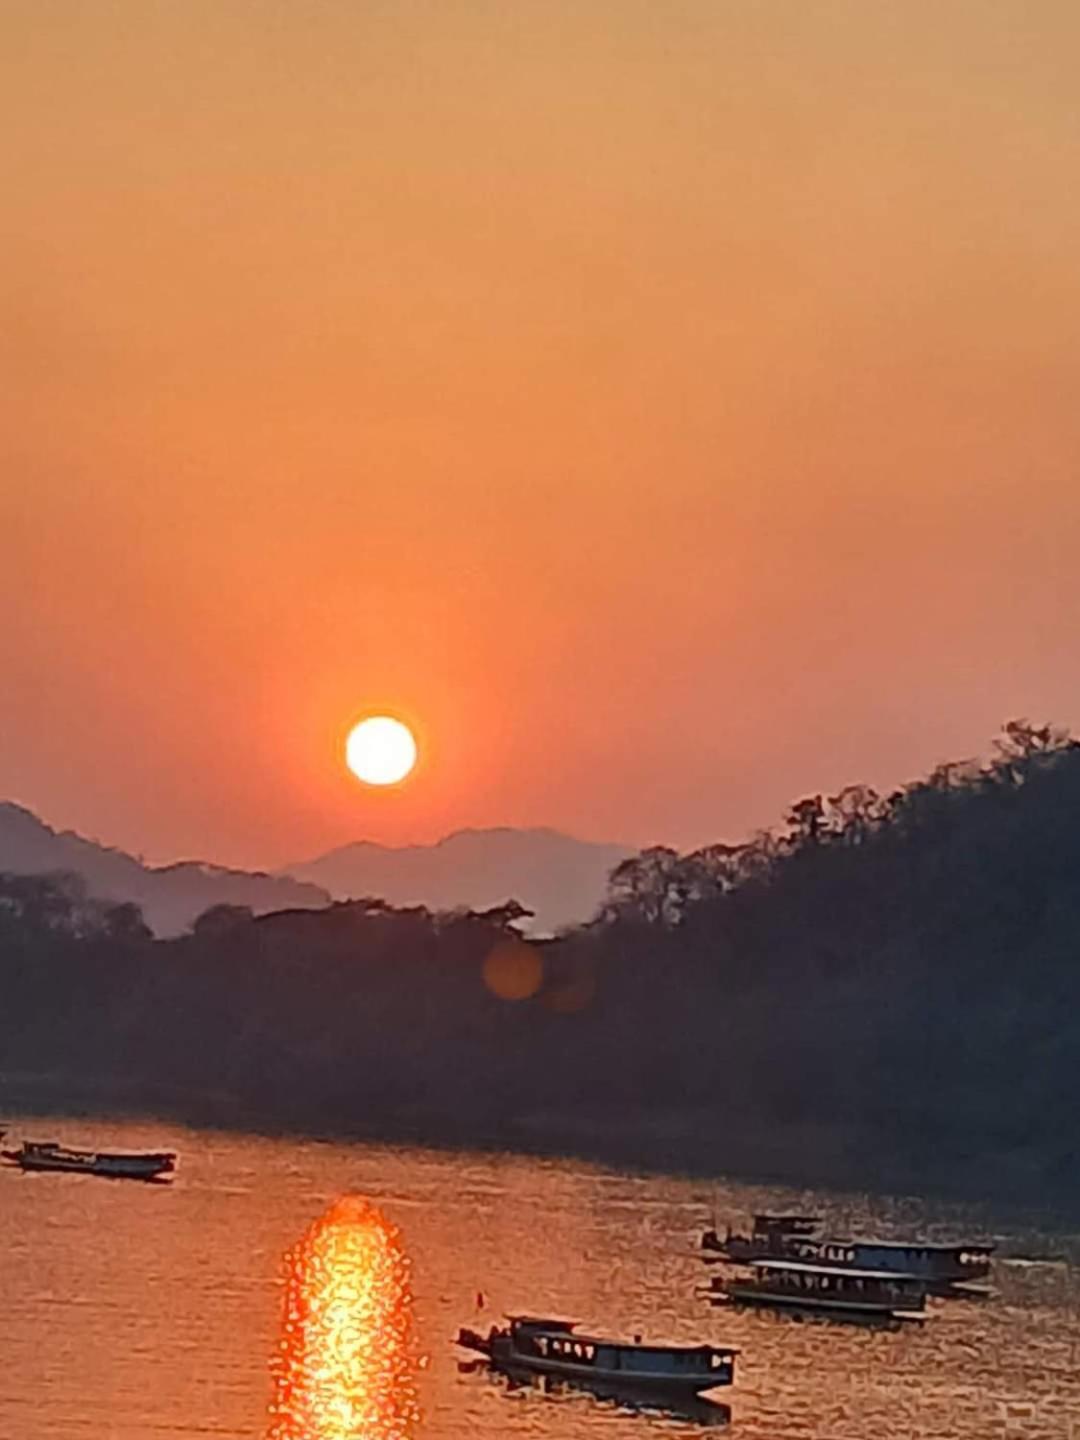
{"points": [[674, 406]]}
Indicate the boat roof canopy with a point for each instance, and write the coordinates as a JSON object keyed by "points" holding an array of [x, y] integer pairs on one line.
{"points": [[801, 1267], [538, 1322]]}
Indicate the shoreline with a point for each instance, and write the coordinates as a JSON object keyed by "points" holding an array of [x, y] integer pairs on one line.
{"points": [[677, 1143]]}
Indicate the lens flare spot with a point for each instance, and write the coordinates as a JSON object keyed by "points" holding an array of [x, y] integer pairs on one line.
{"points": [[345, 1364], [513, 971], [571, 994]]}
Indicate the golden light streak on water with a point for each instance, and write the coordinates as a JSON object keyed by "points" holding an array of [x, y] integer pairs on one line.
{"points": [[345, 1365]]}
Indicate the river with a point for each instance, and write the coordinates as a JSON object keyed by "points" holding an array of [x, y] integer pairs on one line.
{"points": [[163, 1310]]}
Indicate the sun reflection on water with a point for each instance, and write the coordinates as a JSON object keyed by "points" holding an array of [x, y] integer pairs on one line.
{"points": [[345, 1364]]}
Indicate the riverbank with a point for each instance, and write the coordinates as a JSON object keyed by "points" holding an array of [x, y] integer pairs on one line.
{"points": [[663, 1142]]}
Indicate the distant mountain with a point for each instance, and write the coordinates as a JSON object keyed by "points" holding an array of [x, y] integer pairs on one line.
{"points": [[171, 896], [560, 878]]}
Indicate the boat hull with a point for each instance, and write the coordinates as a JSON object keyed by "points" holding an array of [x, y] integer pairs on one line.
{"points": [[642, 1383], [864, 1311]]}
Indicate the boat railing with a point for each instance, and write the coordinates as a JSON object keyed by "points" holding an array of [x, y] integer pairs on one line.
{"points": [[876, 1285]]}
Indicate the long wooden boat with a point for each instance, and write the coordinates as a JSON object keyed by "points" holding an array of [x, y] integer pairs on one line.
{"points": [[113, 1164], [799, 1237], [835, 1290], [554, 1347]]}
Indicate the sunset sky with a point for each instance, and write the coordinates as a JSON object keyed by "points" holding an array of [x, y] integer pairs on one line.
{"points": [[672, 406]]}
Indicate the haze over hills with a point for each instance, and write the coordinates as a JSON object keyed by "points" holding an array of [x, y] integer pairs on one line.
{"points": [[560, 878], [170, 896]]}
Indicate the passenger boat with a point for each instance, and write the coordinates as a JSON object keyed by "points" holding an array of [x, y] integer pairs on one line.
{"points": [[798, 1237], [554, 1347], [839, 1291], [116, 1165]]}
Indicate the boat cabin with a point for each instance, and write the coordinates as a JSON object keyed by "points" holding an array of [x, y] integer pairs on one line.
{"points": [[768, 1225], [948, 1263], [829, 1287], [556, 1345]]}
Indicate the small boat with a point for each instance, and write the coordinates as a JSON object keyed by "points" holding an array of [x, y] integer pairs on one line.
{"points": [[116, 1165], [554, 1347], [770, 1235], [836, 1290], [798, 1237]]}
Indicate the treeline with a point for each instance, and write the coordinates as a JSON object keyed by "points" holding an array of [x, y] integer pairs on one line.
{"points": [[885, 991], [906, 965]]}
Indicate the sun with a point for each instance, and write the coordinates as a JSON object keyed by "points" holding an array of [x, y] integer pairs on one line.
{"points": [[380, 750]]}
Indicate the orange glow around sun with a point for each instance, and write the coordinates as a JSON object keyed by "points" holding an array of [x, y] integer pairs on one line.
{"points": [[344, 1368], [380, 750]]}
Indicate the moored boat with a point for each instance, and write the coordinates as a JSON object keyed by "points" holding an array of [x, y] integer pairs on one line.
{"points": [[799, 1237], [113, 1164], [834, 1290], [770, 1235], [554, 1347]]}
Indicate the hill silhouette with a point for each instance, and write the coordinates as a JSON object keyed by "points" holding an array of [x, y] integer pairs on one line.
{"points": [[169, 896], [560, 879]]}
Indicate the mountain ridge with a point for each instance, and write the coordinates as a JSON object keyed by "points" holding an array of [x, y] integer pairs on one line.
{"points": [[559, 877], [171, 896]]}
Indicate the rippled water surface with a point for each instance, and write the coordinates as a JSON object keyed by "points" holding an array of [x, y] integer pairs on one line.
{"points": [[135, 1310]]}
